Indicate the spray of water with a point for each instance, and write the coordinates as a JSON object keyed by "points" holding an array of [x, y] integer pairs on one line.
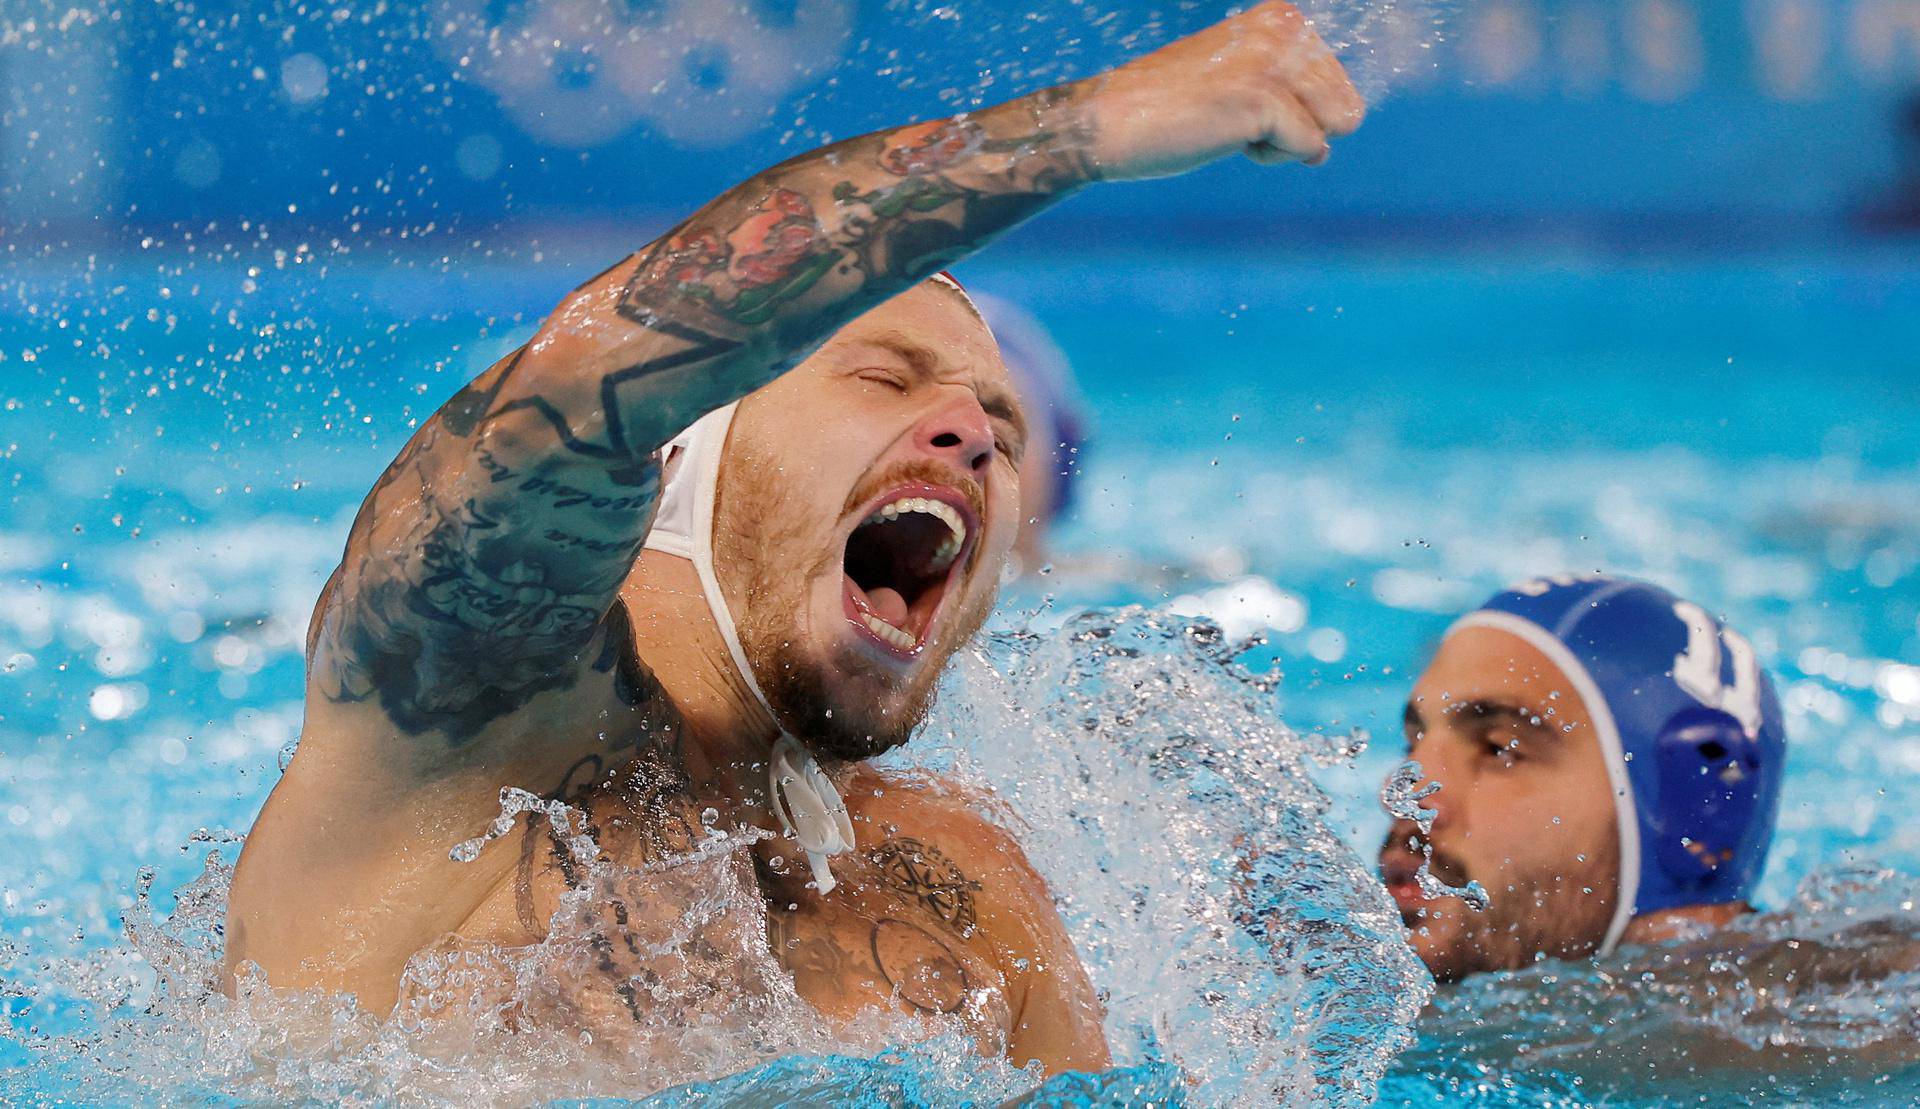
{"points": [[1401, 795], [1244, 954], [1383, 44], [1174, 816]]}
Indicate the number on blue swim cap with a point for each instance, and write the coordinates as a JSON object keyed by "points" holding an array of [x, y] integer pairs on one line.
{"points": [[1689, 723]]}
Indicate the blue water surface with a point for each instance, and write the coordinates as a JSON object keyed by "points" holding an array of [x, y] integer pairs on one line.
{"points": [[1336, 452]]}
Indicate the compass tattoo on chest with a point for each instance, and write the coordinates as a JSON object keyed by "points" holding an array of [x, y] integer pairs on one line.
{"points": [[930, 878]]}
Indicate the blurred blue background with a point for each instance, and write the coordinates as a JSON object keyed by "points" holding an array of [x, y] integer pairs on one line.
{"points": [[1600, 285], [1664, 120]]}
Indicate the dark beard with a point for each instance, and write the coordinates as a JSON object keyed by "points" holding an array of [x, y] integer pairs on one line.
{"points": [[815, 702]]}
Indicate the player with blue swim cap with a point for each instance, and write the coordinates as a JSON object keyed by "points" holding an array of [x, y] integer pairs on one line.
{"points": [[1609, 757], [1057, 424]]}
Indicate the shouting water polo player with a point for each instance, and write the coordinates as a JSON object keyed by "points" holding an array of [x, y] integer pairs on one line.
{"points": [[705, 635], [1609, 760]]}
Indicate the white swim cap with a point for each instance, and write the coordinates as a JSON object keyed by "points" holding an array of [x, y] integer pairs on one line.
{"points": [[947, 279], [951, 282], [800, 794]]}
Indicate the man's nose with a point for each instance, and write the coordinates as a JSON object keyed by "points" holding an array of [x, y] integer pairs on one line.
{"points": [[957, 432], [1438, 768]]}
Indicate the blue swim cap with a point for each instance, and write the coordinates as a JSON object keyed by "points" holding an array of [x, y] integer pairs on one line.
{"points": [[1688, 720], [1045, 381]]}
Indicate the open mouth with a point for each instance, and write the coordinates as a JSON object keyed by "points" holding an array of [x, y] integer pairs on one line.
{"points": [[1400, 873], [900, 560]]}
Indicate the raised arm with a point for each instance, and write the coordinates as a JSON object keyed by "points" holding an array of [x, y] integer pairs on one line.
{"points": [[471, 638], [484, 563], [487, 557]]}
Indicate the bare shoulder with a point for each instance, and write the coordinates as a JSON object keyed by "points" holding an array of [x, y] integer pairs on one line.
{"points": [[952, 847], [895, 814]]}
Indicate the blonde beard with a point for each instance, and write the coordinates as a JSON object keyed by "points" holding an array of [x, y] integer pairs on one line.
{"points": [[771, 608]]}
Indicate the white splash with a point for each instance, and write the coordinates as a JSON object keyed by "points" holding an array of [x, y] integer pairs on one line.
{"points": [[1243, 952]]}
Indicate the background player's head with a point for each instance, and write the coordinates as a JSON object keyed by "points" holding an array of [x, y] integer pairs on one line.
{"points": [[1057, 422], [1605, 751]]}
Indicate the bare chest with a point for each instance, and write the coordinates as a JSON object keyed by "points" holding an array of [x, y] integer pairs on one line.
{"points": [[899, 932]]}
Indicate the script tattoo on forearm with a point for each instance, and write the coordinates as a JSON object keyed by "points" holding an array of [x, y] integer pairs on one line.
{"points": [[485, 560]]}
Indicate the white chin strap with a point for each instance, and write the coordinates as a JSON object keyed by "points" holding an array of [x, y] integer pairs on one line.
{"points": [[799, 792]]}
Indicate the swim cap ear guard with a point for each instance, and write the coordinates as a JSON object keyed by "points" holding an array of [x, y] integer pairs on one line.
{"points": [[1710, 793], [799, 794], [1688, 721]]}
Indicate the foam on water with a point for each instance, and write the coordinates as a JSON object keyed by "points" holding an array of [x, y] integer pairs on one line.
{"points": [[1816, 1001]]}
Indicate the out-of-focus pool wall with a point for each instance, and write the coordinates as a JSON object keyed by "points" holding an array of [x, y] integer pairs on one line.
{"points": [[1684, 120]]}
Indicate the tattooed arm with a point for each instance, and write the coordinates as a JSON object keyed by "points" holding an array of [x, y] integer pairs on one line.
{"points": [[471, 636], [470, 639], [486, 559]]}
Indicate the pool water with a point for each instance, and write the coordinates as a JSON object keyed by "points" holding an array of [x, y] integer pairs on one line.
{"points": [[1330, 456]]}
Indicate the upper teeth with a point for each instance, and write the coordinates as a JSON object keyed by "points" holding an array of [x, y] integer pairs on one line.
{"points": [[943, 555]]}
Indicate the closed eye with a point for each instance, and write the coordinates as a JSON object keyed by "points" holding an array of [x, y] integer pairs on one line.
{"points": [[884, 377]]}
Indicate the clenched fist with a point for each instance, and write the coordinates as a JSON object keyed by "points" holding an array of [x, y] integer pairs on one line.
{"points": [[1261, 83]]}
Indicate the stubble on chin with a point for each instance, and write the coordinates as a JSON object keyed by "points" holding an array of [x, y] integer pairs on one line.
{"points": [[1466, 942], [1445, 947], [829, 704], [824, 694]]}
